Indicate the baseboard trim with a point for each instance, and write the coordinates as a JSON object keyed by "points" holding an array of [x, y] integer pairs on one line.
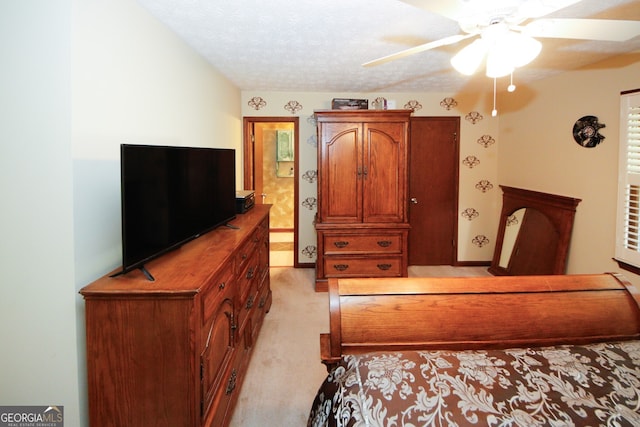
{"points": [[472, 263]]}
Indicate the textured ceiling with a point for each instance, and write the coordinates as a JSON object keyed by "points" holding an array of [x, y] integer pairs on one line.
{"points": [[319, 46]]}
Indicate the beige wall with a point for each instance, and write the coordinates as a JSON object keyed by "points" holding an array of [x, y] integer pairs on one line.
{"points": [[80, 77], [537, 151], [479, 192], [37, 294], [133, 81]]}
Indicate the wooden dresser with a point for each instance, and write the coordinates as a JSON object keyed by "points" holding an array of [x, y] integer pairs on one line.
{"points": [[362, 223], [174, 352]]}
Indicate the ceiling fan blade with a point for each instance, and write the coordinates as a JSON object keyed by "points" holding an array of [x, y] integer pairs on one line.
{"points": [[417, 49], [452, 9], [583, 29], [538, 8], [515, 11]]}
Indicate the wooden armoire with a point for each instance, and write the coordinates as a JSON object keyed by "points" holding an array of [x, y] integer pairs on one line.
{"points": [[362, 223]]}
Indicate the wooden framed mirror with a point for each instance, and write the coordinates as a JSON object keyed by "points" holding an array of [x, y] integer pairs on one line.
{"points": [[534, 233]]}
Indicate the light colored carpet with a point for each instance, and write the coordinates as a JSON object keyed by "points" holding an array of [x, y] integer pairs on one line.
{"points": [[281, 250], [285, 371], [281, 246]]}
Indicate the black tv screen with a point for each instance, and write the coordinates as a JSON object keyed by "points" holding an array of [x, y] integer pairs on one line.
{"points": [[171, 195]]}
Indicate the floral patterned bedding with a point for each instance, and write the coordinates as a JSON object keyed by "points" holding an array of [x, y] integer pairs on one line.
{"points": [[589, 385]]}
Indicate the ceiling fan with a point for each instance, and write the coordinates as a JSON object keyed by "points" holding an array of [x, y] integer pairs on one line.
{"points": [[507, 31]]}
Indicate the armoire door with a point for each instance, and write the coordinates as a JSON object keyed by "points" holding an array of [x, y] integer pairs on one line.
{"points": [[433, 190], [340, 189], [384, 172]]}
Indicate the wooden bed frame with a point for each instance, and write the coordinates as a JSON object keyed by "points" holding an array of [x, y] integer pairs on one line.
{"points": [[388, 314]]}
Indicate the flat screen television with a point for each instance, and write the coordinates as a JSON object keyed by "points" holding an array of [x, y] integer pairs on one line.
{"points": [[171, 195]]}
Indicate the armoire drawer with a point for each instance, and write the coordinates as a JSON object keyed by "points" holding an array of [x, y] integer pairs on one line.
{"points": [[345, 266], [362, 243]]}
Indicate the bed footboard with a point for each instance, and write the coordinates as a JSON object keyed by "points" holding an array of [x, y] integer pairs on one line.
{"points": [[379, 314]]}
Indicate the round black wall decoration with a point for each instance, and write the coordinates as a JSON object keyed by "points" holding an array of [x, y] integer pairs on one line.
{"points": [[586, 131]]}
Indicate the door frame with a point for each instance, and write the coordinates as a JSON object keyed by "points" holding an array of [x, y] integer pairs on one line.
{"points": [[249, 158]]}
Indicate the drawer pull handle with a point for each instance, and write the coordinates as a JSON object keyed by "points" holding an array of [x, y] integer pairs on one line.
{"points": [[341, 267], [250, 273], [221, 286], [384, 266], [232, 323], [384, 243], [250, 302], [232, 381], [341, 244], [263, 301]]}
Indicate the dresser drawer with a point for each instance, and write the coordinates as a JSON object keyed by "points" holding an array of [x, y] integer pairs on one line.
{"points": [[247, 277], [220, 287], [263, 228], [263, 304], [247, 249], [247, 305], [363, 243], [345, 266]]}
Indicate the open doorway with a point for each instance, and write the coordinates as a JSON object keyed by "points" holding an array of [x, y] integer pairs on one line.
{"points": [[271, 170]]}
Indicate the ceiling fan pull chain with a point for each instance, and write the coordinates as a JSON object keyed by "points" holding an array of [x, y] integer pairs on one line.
{"points": [[511, 86], [494, 112]]}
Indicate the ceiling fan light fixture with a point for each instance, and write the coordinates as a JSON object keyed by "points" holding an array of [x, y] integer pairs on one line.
{"points": [[523, 49], [512, 50], [470, 57], [499, 64]]}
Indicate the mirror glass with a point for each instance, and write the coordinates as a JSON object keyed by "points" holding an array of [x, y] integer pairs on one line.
{"points": [[514, 221], [284, 153]]}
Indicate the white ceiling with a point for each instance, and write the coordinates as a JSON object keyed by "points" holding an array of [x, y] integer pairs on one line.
{"points": [[319, 45]]}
